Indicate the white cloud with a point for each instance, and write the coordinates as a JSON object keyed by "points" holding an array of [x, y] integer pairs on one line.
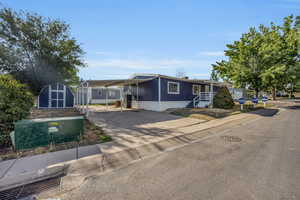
{"points": [[211, 53], [147, 64]]}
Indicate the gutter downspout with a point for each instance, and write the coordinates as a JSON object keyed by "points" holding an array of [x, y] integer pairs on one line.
{"points": [[159, 93]]}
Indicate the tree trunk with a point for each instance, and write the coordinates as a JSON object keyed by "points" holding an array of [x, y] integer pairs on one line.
{"points": [[291, 92], [256, 93], [274, 93]]}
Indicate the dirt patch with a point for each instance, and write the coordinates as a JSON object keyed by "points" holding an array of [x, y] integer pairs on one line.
{"points": [[48, 113], [214, 113]]}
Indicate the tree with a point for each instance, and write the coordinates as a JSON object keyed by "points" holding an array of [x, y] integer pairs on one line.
{"points": [[266, 58], [281, 49], [37, 50], [15, 104], [245, 62], [223, 99], [214, 76]]}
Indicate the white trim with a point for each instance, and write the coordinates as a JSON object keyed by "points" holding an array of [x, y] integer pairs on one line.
{"points": [[160, 106], [50, 95], [199, 89], [178, 87], [102, 101], [64, 96]]}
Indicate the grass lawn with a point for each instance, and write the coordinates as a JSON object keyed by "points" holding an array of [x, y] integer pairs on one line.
{"points": [[215, 113]]}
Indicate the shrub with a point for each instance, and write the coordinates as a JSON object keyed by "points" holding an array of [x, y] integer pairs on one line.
{"points": [[223, 99], [15, 104]]}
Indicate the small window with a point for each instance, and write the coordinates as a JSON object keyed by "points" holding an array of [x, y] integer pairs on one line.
{"points": [[173, 88], [112, 93], [196, 89]]}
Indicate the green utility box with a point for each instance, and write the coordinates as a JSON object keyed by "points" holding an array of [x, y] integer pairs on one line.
{"points": [[42, 132]]}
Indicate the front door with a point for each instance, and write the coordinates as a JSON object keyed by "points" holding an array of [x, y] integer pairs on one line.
{"points": [[57, 95]]}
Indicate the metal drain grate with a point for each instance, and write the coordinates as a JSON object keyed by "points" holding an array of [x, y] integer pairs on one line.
{"points": [[229, 138], [30, 189]]}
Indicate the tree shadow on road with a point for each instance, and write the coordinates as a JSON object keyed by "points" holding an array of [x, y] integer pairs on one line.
{"points": [[268, 112]]}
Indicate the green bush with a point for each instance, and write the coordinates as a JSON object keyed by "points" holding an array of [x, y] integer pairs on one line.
{"points": [[15, 104], [223, 99]]}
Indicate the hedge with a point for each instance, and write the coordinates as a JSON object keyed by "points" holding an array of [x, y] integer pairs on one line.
{"points": [[223, 99], [15, 104]]}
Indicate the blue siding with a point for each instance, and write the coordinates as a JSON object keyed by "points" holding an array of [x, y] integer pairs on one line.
{"points": [[148, 91], [69, 98], [44, 97], [185, 94]]}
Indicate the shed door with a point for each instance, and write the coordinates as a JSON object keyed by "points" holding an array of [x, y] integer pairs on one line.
{"points": [[57, 95]]}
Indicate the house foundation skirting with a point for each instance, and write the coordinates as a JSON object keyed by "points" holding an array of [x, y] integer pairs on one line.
{"points": [[159, 106], [103, 101]]}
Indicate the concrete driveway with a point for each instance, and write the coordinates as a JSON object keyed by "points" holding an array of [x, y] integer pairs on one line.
{"points": [[135, 127], [262, 163]]}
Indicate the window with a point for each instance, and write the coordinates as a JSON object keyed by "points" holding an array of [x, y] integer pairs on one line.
{"points": [[196, 89], [173, 88], [112, 93], [99, 92]]}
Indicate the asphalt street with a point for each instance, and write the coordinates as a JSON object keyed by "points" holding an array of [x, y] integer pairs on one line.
{"points": [[258, 160]]}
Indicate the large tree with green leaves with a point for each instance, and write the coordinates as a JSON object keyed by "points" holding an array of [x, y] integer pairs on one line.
{"points": [[38, 50], [266, 58]]}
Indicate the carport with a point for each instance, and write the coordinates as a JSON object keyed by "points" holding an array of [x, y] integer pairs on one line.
{"points": [[83, 94]]}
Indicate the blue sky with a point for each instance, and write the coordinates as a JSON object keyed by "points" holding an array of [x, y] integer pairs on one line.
{"points": [[121, 37]]}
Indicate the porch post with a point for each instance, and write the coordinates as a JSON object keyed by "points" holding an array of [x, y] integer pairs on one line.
{"points": [[106, 97], [121, 98], [137, 95], [211, 94], [76, 98], [87, 98]]}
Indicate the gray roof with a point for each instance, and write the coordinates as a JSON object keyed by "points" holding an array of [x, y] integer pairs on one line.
{"points": [[133, 80]]}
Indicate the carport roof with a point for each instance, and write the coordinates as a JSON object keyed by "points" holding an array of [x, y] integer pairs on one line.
{"points": [[116, 82]]}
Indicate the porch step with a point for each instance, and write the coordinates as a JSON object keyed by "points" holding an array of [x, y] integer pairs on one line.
{"points": [[203, 104]]}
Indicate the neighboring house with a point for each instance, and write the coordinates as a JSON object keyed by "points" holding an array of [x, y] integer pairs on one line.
{"points": [[158, 92], [101, 95], [237, 93]]}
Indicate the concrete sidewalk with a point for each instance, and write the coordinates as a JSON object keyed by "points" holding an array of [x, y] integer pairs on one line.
{"points": [[18, 171]]}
